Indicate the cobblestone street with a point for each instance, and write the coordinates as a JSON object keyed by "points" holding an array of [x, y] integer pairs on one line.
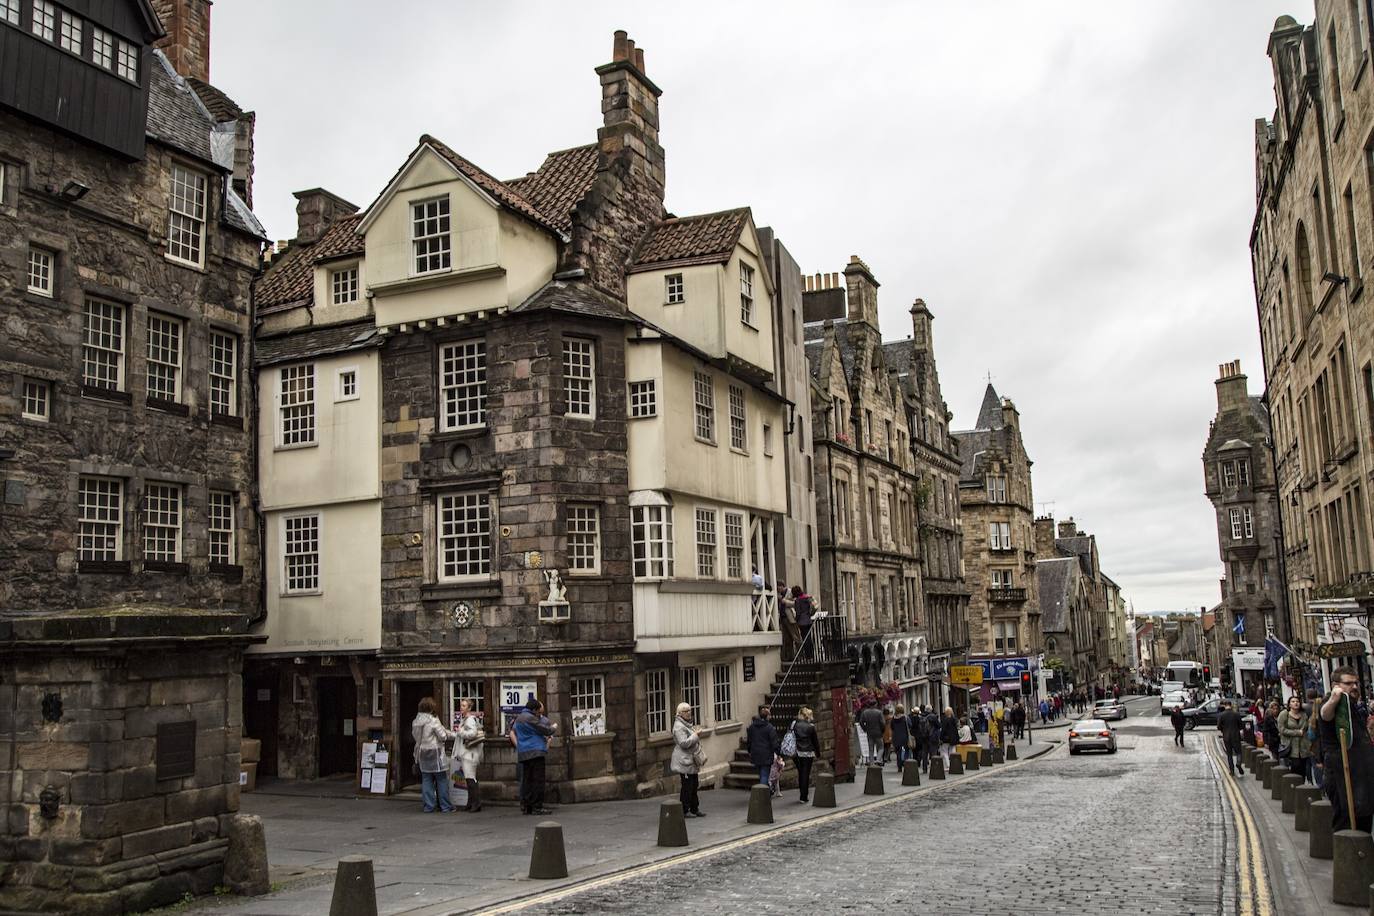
{"points": [[1138, 832]]}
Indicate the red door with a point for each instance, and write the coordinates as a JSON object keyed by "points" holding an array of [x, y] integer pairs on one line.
{"points": [[839, 706]]}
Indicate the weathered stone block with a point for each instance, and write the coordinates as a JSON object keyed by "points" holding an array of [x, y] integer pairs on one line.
{"points": [[159, 839]]}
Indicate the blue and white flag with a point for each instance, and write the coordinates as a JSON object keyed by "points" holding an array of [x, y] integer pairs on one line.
{"points": [[1239, 628], [1274, 651]]}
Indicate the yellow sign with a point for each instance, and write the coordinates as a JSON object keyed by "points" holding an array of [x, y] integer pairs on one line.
{"points": [[966, 675]]}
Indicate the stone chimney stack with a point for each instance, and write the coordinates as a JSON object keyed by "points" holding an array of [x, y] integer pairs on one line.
{"points": [[1011, 418], [1044, 537], [1232, 389], [316, 210], [1068, 528], [861, 292], [187, 42], [921, 318]]}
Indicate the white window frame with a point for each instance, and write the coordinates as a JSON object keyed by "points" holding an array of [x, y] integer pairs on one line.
{"points": [[703, 407], [651, 536], [842, 503], [723, 692], [579, 378], [1228, 475], [1248, 520], [42, 265], [297, 413], [690, 678], [997, 488], [643, 399], [746, 293], [999, 536], [707, 542], [584, 539], [466, 548], [734, 545], [658, 718], [70, 32], [1243, 472], [161, 517], [220, 528], [126, 60], [96, 522], [431, 239], [463, 384], [43, 21], [768, 440], [102, 48], [343, 285], [165, 347], [587, 698], [346, 387], [1002, 578], [224, 373], [312, 580], [35, 399], [103, 343], [674, 290], [460, 689], [9, 11], [1235, 525], [739, 420], [187, 207]]}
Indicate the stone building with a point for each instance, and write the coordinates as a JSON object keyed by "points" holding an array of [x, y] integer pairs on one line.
{"points": [[867, 492], [1311, 243], [1066, 610], [945, 595], [1078, 632], [1238, 475], [999, 541], [126, 257]]}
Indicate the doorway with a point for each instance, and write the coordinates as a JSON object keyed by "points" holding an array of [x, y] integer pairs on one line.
{"points": [[408, 697], [260, 683], [338, 711]]}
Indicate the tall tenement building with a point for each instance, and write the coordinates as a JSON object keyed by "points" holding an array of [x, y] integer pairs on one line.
{"points": [[1312, 246]]}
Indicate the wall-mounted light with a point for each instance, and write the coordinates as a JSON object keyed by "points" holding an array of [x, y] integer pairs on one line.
{"points": [[73, 191]]}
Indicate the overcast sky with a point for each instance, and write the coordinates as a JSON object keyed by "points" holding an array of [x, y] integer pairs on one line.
{"points": [[1068, 185]]}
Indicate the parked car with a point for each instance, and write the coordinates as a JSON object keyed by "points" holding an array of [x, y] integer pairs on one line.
{"points": [[1202, 714], [1109, 709], [1092, 734], [1168, 701]]}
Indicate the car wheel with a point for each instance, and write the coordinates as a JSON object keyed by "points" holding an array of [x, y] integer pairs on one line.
{"points": [[1190, 724], [1111, 750], [1073, 752]]}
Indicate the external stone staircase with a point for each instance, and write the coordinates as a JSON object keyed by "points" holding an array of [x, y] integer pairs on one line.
{"points": [[804, 687]]}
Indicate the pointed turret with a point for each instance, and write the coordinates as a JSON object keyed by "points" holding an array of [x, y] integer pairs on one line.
{"points": [[990, 414]]}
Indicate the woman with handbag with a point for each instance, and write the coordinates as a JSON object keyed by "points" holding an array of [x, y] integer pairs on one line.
{"points": [[808, 748], [430, 738], [687, 759], [467, 751], [1270, 728], [1293, 736]]}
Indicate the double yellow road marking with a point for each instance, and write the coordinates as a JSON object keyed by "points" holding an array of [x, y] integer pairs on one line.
{"points": [[1252, 883]]}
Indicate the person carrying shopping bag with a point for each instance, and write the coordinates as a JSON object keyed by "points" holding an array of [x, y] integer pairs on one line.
{"points": [[467, 752], [430, 738]]}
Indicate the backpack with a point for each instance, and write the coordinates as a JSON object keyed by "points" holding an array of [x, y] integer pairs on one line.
{"points": [[789, 740]]}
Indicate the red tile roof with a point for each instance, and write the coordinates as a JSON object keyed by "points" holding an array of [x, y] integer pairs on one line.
{"points": [[501, 192], [558, 185], [705, 239], [290, 278]]}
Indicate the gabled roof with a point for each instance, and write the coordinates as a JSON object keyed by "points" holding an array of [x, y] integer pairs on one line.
{"points": [[709, 238], [899, 355], [220, 106], [560, 183], [315, 342], [574, 299], [1054, 582], [290, 278]]}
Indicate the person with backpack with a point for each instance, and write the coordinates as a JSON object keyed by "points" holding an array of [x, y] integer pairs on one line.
{"points": [[901, 735], [931, 724], [763, 743], [805, 609], [806, 747], [430, 738], [949, 734]]}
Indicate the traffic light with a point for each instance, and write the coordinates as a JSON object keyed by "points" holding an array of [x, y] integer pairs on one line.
{"points": [[1206, 675], [1025, 683]]}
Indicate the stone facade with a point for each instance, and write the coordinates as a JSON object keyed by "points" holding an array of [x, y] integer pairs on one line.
{"points": [[1238, 474], [1311, 243], [999, 541]]}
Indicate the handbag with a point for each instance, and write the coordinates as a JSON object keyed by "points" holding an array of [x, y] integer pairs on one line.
{"points": [[1285, 750], [789, 741], [699, 756]]}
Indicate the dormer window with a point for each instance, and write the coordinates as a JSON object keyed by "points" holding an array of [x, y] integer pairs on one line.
{"points": [[746, 293], [343, 285], [674, 292], [430, 235]]}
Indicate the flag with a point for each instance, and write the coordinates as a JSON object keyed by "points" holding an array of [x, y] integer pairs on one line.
{"points": [[1343, 720], [1239, 628], [1274, 651]]}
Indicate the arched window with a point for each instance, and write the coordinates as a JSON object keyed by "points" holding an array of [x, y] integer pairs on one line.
{"points": [[1304, 256]]}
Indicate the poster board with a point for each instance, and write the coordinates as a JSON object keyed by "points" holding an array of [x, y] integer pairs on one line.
{"points": [[373, 768]]}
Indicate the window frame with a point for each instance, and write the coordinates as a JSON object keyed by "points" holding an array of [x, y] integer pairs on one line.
{"points": [[1236, 529], [127, 60], [587, 702], [739, 419], [437, 244], [218, 380], [83, 518], [674, 289], [579, 377], [11, 12], [577, 528], [342, 376], [116, 310], [459, 689], [70, 26], [648, 533], [734, 552], [462, 384], [43, 26], [349, 285], [174, 329], [728, 682], [317, 588], [703, 407], [707, 551], [308, 407], [223, 523], [478, 540], [690, 687], [156, 528], [196, 194], [656, 692], [104, 48], [643, 397], [746, 294], [41, 398], [44, 261]]}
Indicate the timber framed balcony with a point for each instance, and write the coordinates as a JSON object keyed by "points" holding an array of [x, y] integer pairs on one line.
{"points": [[685, 614]]}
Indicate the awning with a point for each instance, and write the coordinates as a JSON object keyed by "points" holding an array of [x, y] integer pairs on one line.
{"points": [[1329, 607]]}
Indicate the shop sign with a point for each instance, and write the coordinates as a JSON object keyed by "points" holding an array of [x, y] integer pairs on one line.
{"points": [[966, 675], [1351, 647]]}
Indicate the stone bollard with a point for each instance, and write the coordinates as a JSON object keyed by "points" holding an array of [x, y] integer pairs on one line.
{"points": [[972, 763], [1275, 783], [245, 862], [1289, 783], [997, 755], [546, 856], [1303, 797], [672, 824], [1266, 773], [760, 805], [1011, 752], [1352, 867], [873, 781], [823, 792], [956, 764], [1258, 768], [1319, 829], [985, 757], [937, 767], [1247, 756], [355, 889], [911, 773]]}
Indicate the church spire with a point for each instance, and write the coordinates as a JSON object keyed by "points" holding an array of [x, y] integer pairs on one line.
{"points": [[990, 414]]}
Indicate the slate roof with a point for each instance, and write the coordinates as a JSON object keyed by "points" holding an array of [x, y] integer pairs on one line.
{"points": [[560, 183], [290, 278], [990, 414], [574, 298], [502, 193], [1054, 581], [815, 349], [220, 106], [899, 355], [321, 341], [708, 238], [1079, 547]]}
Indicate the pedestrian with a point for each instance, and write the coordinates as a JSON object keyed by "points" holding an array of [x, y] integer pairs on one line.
{"points": [[430, 737], [1270, 727], [763, 743], [872, 724], [532, 733], [1228, 725], [804, 607], [1294, 745], [467, 751], [966, 732], [1044, 710], [788, 616], [1338, 713], [686, 750], [887, 734], [1018, 720], [919, 739], [1315, 769], [900, 728], [1178, 722], [949, 734], [808, 749], [931, 725], [980, 721]]}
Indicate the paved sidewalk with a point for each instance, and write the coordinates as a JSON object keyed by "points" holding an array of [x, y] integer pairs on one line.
{"points": [[430, 864]]}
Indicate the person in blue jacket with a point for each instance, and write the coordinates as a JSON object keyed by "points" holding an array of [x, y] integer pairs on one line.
{"points": [[532, 733]]}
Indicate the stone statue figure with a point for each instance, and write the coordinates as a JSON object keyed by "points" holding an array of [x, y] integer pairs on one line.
{"points": [[558, 594]]}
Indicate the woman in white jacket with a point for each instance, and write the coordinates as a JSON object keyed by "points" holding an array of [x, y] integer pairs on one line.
{"points": [[430, 737], [467, 751], [686, 759]]}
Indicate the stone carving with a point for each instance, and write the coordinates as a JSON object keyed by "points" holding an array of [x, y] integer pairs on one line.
{"points": [[464, 615], [557, 592]]}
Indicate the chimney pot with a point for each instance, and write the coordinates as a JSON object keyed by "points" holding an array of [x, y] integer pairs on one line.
{"points": [[630, 51], [639, 60], [619, 49]]}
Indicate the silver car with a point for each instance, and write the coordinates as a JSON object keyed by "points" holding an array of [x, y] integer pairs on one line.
{"points": [[1109, 709], [1092, 734]]}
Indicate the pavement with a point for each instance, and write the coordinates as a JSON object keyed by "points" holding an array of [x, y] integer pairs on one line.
{"points": [[430, 864]]}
